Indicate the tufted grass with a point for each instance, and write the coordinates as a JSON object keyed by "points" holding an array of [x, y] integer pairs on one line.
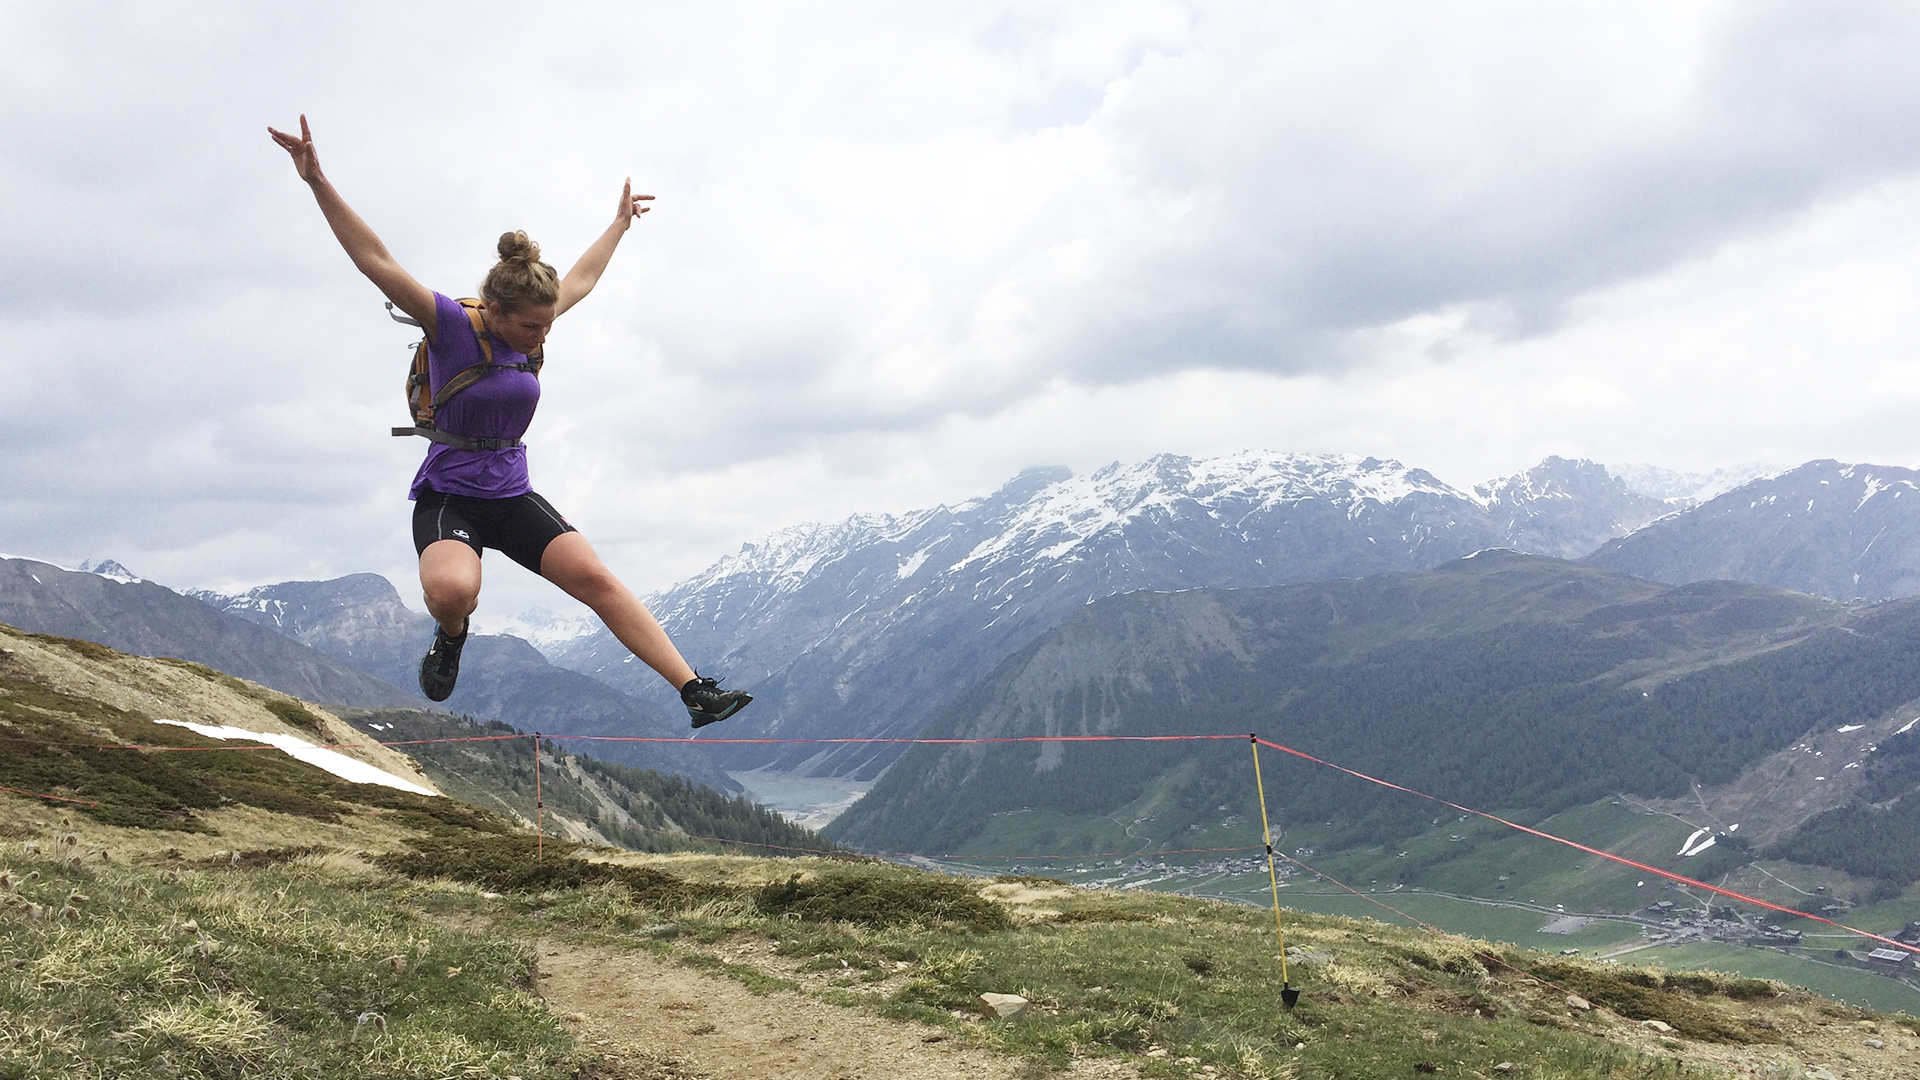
{"points": [[289, 970]]}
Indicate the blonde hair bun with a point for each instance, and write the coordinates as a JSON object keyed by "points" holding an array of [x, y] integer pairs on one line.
{"points": [[520, 279], [517, 246]]}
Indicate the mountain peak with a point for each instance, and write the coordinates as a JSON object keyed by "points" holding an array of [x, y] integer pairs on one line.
{"points": [[113, 571]]}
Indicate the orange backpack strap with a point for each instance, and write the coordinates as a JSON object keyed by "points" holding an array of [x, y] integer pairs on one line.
{"points": [[478, 321]]}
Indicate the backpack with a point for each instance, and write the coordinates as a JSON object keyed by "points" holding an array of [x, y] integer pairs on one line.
{"points": [[422, 401]]}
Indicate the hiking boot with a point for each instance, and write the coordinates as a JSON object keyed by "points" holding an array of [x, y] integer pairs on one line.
{"points": [[708, 704], [440, 668]]}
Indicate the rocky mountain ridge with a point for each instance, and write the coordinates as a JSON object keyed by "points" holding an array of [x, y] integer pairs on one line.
{"points": [[1827, 527], [348, 642], [143, 618]]}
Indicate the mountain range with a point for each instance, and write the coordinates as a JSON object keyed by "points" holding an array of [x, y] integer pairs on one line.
{"points": [[123, 612], [877, 624], [871, 625], [1503, 681]]}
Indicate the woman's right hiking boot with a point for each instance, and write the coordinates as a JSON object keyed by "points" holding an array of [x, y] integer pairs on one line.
{"points": [[440, 668], [708, 704]]}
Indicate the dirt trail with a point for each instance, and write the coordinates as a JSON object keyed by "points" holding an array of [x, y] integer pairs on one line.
{"points": [[653, 1019]]}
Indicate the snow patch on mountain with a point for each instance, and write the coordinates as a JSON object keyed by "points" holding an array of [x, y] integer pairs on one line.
{"points": [[254, 602]]}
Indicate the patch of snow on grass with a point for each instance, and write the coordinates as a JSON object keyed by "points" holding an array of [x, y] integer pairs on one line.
{"points": [[338, 764]]}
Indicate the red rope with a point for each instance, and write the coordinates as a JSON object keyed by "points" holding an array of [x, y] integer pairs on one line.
{"points": [[1576, 845], [1088, 855]]}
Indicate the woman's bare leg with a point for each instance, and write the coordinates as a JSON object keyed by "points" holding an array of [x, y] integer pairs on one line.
{"points": [[571, 563], [450, 580]]}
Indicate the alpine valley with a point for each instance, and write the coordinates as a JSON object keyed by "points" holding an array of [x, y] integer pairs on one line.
{"points": [[1718, 675]]}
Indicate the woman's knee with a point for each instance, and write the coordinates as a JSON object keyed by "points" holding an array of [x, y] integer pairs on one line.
{"points": [[450, 594], [450, 576], [592, 585]]}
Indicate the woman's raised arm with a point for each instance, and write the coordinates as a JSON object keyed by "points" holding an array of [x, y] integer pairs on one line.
{"points": [[362, 246], [586, 273]]}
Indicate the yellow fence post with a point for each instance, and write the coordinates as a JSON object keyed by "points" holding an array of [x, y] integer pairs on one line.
{"points": [[1288, 995]]}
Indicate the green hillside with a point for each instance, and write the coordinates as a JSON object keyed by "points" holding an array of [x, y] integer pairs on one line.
{"points": [[1522, 685], [77, 712]]}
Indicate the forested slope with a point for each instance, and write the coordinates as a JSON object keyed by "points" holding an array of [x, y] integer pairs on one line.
{"points": [[1513, 683]]}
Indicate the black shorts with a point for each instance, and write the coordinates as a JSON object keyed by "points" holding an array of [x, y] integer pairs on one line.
{"points": [[522, 526]]}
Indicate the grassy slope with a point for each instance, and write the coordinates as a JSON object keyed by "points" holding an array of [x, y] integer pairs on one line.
{"points": [[1176, 985], [173, 961], [324, 966], [207, 910]]}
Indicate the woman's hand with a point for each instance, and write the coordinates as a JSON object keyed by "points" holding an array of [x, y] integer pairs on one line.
{"points": [[630, 207], [355, 236], [306, 160], [586, 273]]}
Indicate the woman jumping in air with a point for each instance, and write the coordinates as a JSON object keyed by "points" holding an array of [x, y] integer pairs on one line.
{"points": [[472, 491]]}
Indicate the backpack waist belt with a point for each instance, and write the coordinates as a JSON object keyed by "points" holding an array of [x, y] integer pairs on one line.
{"points": [[458, 442]]}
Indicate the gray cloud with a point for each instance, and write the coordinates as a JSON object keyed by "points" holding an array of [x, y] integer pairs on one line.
{"points": [[878, 225], [1320, 199]]}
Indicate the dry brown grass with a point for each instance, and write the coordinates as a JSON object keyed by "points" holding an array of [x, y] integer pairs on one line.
{"points": [[234, 828]]}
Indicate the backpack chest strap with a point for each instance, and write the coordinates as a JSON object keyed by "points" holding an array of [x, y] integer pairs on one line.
{"points": [[458, 442]]}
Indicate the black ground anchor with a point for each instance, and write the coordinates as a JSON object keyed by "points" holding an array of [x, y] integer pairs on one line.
{"points": [[1289, 997]]}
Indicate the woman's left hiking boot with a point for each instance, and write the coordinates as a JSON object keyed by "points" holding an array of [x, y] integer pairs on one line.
{"points": [[440, 668], [708, 704]]}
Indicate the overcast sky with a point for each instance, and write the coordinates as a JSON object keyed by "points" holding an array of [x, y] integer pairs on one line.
{"points": [[902, 251]]}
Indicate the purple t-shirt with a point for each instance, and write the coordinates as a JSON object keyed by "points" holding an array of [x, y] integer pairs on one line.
{"points": [[499, 406]]}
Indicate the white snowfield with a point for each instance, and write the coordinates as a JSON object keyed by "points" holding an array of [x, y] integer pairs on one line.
{"points": [[338, 764]]}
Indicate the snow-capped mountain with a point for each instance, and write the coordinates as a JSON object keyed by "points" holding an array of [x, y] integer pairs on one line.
{"points": [[1685, 489], [1829, 528], [1566, 508], [111, 570], [544, 630], [869, 625]]}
